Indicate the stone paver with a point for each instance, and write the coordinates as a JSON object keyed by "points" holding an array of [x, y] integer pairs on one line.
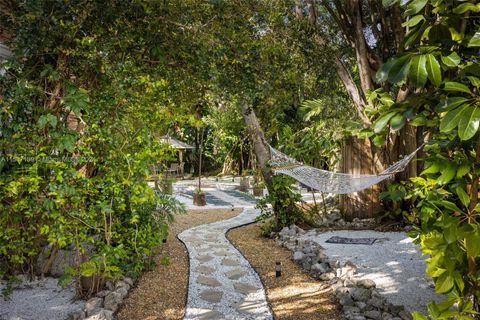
{"points": [[222, 283]]}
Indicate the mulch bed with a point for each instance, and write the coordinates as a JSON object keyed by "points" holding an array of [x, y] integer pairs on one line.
{"points": [[295, 295], [160, 294]]}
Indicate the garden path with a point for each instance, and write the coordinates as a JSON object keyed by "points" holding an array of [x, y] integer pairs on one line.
{"points": [[222, 283]]}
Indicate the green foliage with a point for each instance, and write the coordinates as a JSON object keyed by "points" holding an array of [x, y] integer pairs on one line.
{"points": [[283, 199], [79, 113], [441, 66]]}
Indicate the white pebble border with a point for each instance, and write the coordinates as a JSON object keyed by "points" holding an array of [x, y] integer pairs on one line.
{"points": [[240, 297]]}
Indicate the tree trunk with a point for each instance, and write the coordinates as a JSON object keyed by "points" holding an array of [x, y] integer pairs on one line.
{"points": [[257, 139]]}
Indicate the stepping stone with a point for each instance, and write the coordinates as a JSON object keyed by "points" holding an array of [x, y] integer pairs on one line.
{"points": [[204, 258], [223, 253], [244, 288], [207, 281], [230, 262], [235, 274], [211, 296], [204, 270], [211, 315], [249, 307]]}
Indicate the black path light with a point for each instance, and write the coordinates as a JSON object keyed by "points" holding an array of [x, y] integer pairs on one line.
{"points": [[278, 269]]}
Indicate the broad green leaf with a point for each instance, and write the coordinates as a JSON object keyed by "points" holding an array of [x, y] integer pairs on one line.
{"points": [[389, 3], [382, 122], [456, 86], [462, 170], [451, 119], [414, 7], [464, 7], [47, 119], [450, 205], [398, 121], [475, 40], [399, 69], [415, 34], [472, 244], [433, 70], [469, 122], [413, 21], [451, 60], [463, 196], [450, 103], [433, 168], [474, 81], [382, 73], [447, 174], [418, 71], [418, 316], [444, 283]]}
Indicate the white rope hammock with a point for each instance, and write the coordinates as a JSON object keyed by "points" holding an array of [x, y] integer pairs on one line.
{"points": [[328, 181]]}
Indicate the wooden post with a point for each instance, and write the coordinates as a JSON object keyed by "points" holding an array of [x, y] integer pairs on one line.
{"points": [[357, 158]]}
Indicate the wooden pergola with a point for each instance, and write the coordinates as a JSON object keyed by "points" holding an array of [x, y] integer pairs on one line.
{"points": [[181, 147]]}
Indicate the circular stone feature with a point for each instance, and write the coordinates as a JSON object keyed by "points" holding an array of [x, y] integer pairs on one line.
{"points": [[235, 274], [245, 288], [204, 258], [230, 262], [204, 270]]}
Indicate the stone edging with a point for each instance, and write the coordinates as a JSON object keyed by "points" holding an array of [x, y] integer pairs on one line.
{"points": [[106, 302], [359, 298]]}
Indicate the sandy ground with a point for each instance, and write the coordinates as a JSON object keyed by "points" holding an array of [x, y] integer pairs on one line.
{"points": [[294, 295], [40, 300], [161, 293], [393, 262]]}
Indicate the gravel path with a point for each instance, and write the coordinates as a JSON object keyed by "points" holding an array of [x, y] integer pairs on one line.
{"points": [[222, 283], [393, 262], [40, 300]]}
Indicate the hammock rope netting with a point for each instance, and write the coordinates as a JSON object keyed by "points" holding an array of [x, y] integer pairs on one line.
{"points": [[332, 182]]}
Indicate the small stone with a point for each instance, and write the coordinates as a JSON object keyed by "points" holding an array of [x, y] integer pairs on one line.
{"points": [[122, 284], [361, 305], [351, 310], [109, 285], [122, 291], [376, 302], [102, 315], [348, 283], [346, 301], [112, 300], [365, 283], [103, 293], [373, 314], [211, 296], [244, 288], [207, 281], [128, 280], [92, 305], [405, 315], [386, 316], [360, 294], [327, 276], [298, 255], [321, 267], [77, 315]]}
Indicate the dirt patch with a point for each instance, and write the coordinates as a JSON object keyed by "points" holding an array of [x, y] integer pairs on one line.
{"points": [[161, 293], [295, 295]]}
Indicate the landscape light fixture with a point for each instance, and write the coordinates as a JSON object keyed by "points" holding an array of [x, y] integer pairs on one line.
{"points": [[278, 269]]}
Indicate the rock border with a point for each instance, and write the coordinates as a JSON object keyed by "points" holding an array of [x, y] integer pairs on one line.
{"points": [[359, 298], [106, 302]]}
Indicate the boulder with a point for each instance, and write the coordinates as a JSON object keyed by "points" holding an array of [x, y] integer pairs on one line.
{"points": [[122, 291], [128, 281], [77, 315], [298, 256], [93, 305], [365, 283], [373, 314], [112, 300], [346, 300], [102, 315], [360, 294], [327, 276], [321, 267]]}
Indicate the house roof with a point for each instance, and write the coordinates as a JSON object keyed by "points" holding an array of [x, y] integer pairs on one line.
{"points": [[175, 143]]}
